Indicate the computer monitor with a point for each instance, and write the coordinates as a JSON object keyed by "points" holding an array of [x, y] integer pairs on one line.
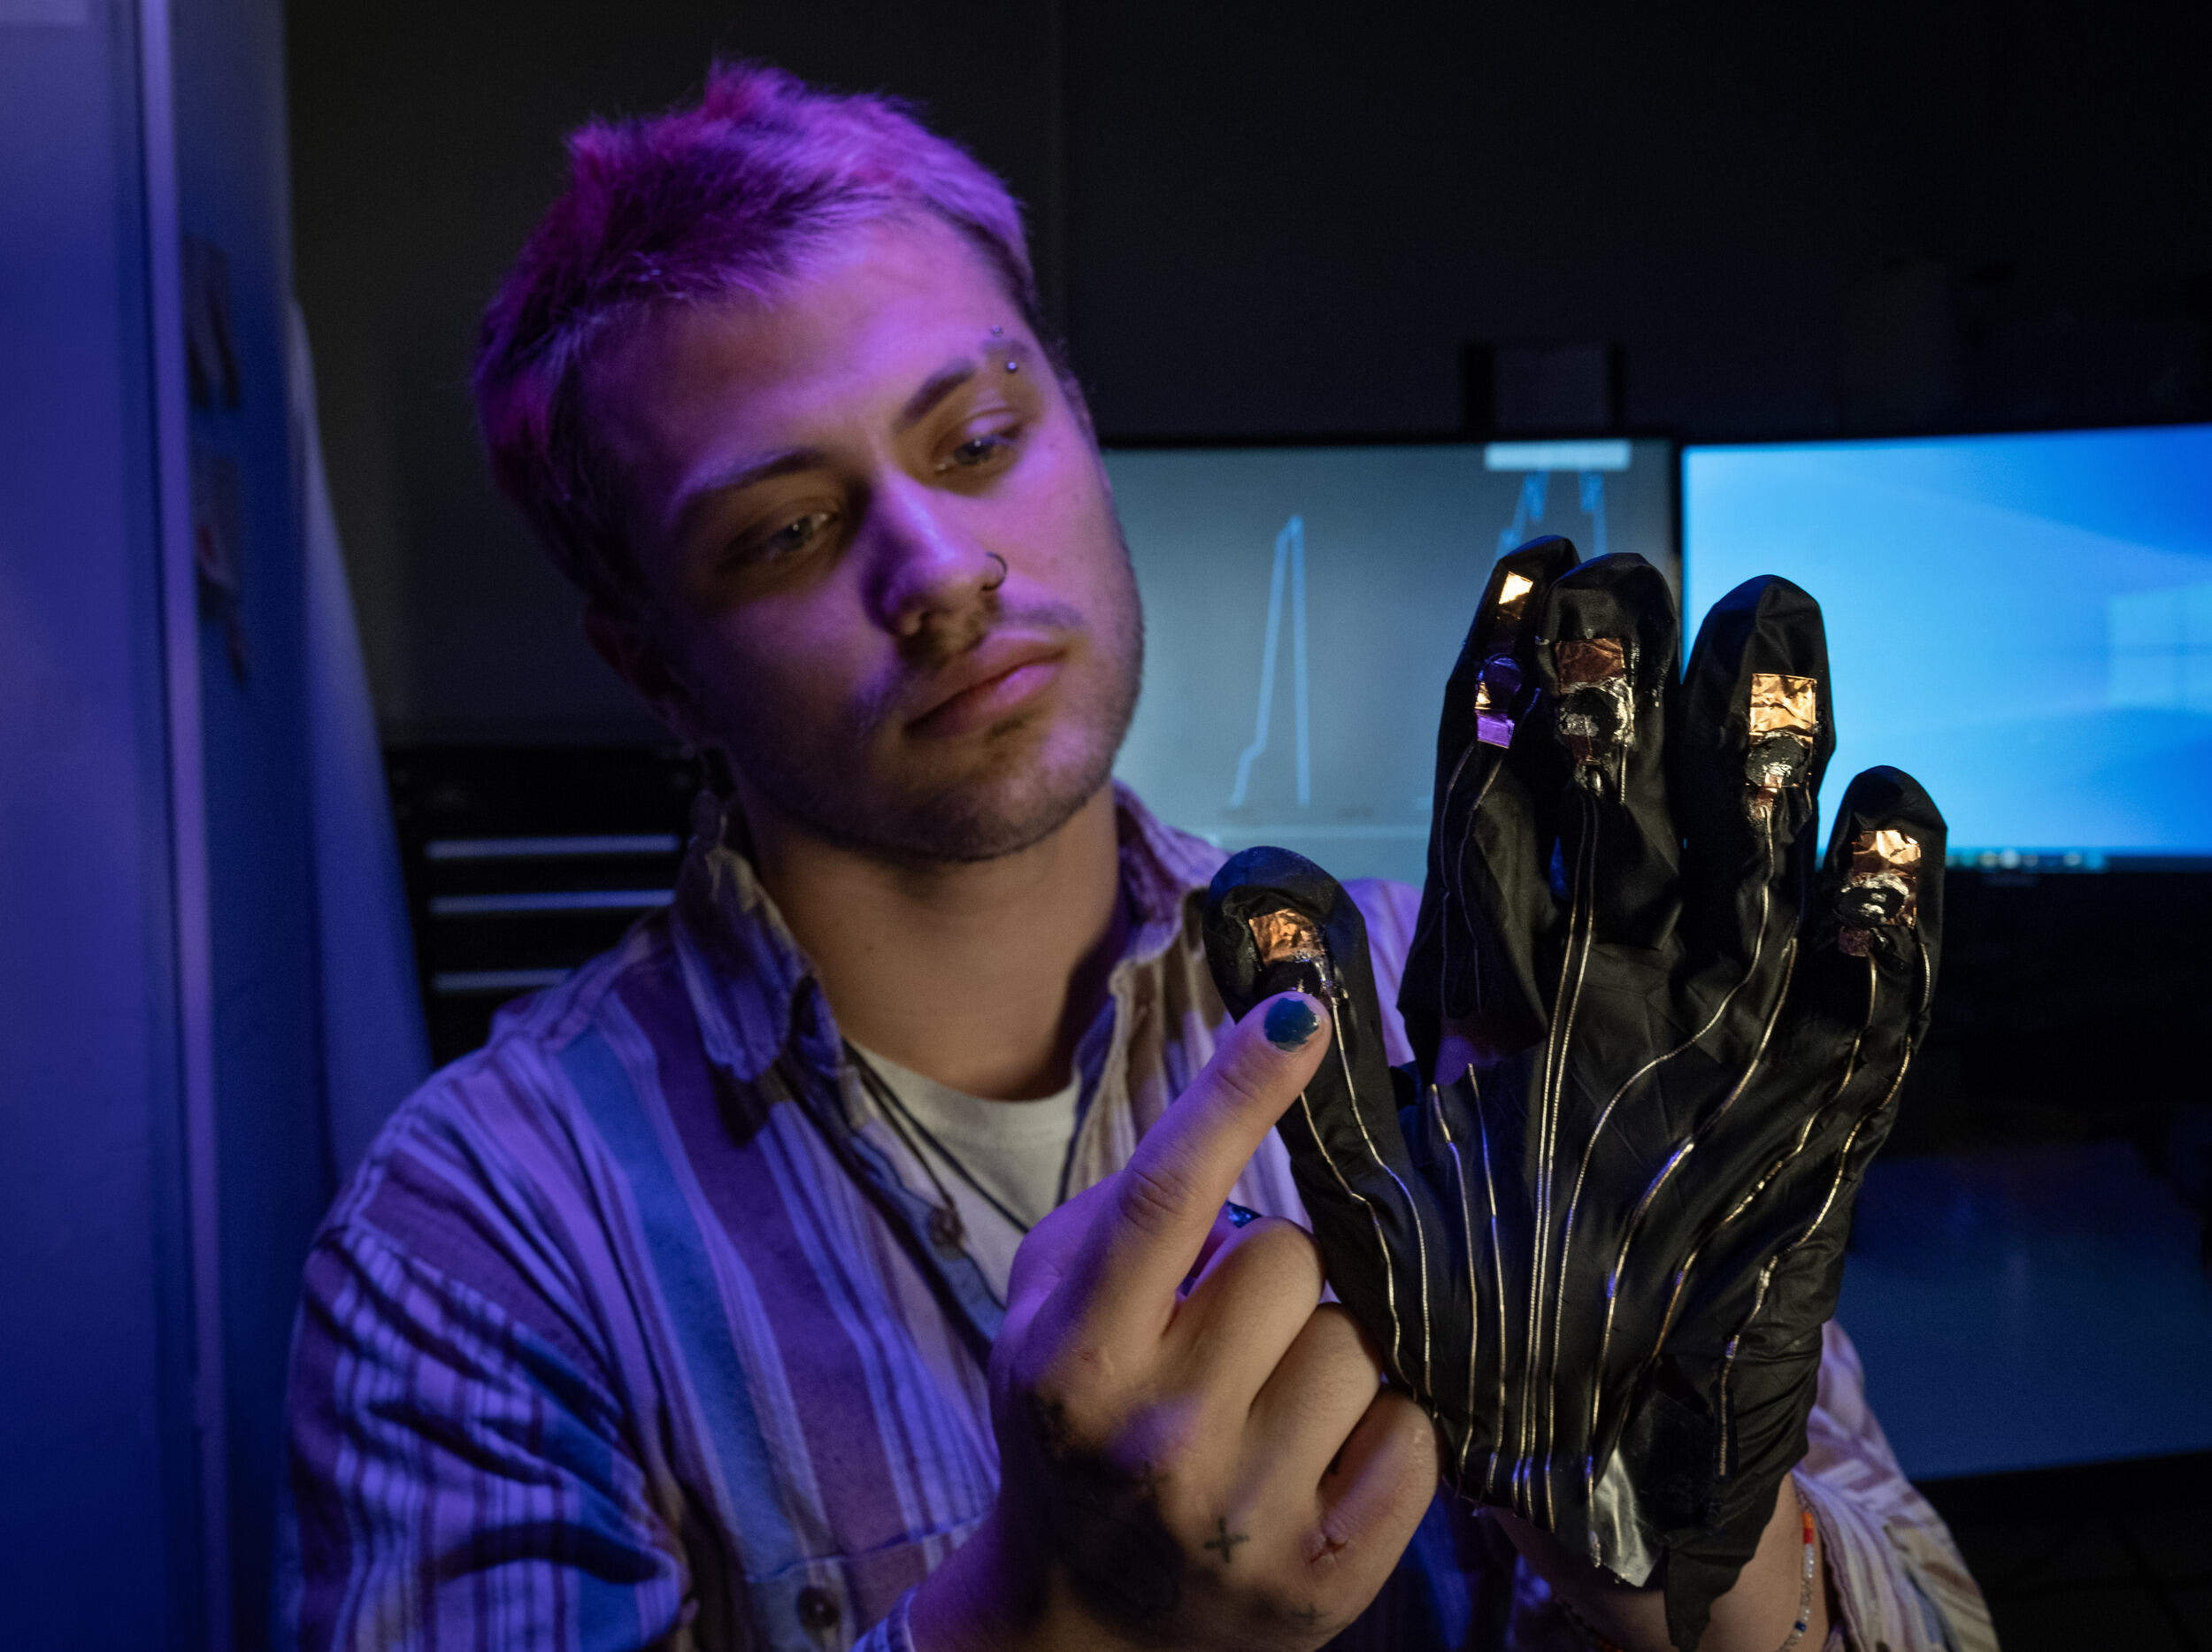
{"points": [[1304, 605], [2023, 622]]}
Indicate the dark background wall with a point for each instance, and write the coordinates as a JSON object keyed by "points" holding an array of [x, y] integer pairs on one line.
{"points": [[1293, 219]]}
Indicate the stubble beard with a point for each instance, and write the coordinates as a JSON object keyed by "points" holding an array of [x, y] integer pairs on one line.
{"points": [[1024, 788]]}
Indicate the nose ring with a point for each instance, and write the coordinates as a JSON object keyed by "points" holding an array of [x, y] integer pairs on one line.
{"points": [[995, 584]]}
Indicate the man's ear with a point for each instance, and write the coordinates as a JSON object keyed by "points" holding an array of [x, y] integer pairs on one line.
{"points": [[634, 654]]}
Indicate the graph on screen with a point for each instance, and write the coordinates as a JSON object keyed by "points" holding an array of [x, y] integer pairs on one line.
{"points": [[1290, 553], [1303, 608], [1528, 512]]}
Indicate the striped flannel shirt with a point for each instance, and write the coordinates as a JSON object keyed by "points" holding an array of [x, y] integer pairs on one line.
{"points": [[630, 1332]]}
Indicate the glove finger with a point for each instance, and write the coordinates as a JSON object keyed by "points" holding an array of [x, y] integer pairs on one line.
{"points": [[1773, 1271], [1866, 981], [1275, 921], [1487, 912], [1756, 729], [1879, 916], [1860, 988], [1608, 666], [1883, 883], [1750, 733]]}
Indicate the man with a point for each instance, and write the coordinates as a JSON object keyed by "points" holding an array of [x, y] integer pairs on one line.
{"points": [[829, 1261]]}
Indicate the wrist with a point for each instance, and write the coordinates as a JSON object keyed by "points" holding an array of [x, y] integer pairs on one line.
{"points": [[1610, 1614], [996, 1594], [1780, 1602], [977, 1599], [1759, 1614]]}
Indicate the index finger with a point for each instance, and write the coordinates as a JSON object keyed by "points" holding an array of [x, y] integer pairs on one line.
{"points": [[1165, 1198], [1757, 726], [1488, 899]]}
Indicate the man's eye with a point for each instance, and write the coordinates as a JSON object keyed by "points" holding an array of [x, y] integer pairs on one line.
{"points": [[795, 536], [985, 453]]}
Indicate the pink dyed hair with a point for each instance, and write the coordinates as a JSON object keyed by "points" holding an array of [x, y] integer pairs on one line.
{"points": [[731, 197]]}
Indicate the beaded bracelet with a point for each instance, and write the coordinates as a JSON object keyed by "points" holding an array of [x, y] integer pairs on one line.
{"points": [[1805, 1589], [1599, 1643]]}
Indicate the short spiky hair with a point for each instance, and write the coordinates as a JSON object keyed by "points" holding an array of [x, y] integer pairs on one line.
{"points": [[730, 197]]}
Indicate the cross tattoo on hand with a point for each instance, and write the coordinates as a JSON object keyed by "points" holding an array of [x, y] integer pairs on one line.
{"points": [[1226, 1540]]}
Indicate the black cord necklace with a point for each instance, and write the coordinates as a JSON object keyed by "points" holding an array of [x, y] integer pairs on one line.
{"points": [[901, 1119]]}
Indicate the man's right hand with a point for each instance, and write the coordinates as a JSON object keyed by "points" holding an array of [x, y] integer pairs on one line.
{"points": [[1207, 1462]]}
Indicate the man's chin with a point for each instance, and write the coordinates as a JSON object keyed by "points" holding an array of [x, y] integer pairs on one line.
{"points": [[985, 819], [996, 808]]}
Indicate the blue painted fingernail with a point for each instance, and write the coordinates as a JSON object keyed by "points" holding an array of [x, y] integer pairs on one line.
{"points": [[1239, 1215], [1290, 1023]]}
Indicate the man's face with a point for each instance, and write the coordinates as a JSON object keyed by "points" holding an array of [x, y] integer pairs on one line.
{"points": [[880, 562]]}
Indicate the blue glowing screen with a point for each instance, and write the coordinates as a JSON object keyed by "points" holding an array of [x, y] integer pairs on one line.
{"points": [[1303, 607], [2023, 622]]}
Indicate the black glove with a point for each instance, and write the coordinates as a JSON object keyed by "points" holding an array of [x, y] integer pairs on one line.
{"points": [[1601, 1253]]}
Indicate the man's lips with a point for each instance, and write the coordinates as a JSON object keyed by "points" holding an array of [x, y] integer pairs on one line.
{"points": [[1000, 676]]}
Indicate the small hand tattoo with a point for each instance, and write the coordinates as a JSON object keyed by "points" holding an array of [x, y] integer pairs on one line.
{"points": [[1225, 1540]]}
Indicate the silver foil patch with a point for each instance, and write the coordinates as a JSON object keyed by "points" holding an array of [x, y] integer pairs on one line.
{"points": [[1622, 1540], [1496, 690]]}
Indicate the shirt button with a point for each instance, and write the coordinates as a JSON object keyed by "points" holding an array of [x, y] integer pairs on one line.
{"points": [[817, 1610]]}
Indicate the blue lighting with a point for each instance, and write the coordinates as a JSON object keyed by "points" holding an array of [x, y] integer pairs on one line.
{"points": [[2023, 622]]}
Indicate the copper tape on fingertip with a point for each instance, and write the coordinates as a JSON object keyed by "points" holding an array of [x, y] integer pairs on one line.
{"points": [[1499, 685], [1874, 853], [1881, 887], [1287, 937], [1781, 703], [1589, 660], [1784, 715]]}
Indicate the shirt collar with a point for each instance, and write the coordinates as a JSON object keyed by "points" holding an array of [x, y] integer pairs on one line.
{"points": [[744, 972]]}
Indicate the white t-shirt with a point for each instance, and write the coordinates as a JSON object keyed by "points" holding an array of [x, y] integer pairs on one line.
{"points": [[1014, 1149]]}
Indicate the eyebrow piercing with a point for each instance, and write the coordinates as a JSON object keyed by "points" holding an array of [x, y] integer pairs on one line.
{"points": [[995, 584]]}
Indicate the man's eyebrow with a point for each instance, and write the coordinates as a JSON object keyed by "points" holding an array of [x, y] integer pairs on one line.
{"points": [[744, 475], [935, 388]]}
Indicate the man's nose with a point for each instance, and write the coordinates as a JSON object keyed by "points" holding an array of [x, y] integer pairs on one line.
{"points": [[927, 571]]}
